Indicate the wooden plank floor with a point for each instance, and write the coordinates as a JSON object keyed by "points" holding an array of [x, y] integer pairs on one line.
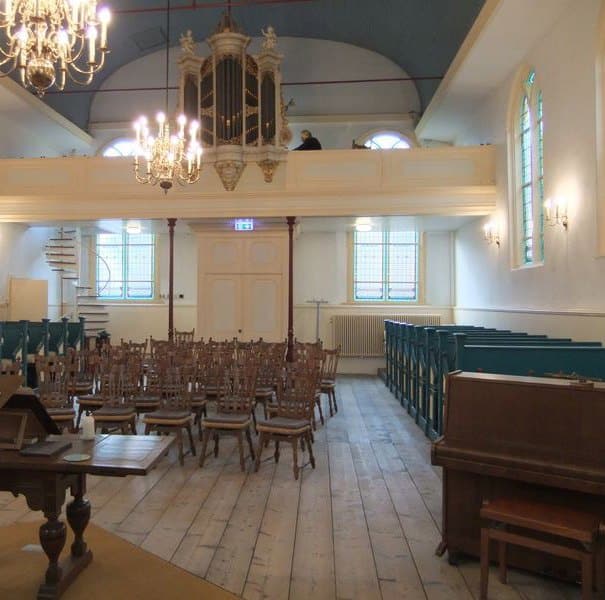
{"points": [[364, 524]]}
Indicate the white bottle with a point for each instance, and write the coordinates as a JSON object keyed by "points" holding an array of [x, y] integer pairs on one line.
{"points": [[88, 428]]}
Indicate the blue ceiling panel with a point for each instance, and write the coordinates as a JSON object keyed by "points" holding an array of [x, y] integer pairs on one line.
{"points": [[421, 36]]}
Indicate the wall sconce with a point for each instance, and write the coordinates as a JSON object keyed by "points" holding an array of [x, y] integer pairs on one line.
{"points": [[491, 234], [555, 212]]}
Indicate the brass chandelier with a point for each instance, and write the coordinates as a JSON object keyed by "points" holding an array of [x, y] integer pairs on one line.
{"points": [[173, 154], [49, 41]]}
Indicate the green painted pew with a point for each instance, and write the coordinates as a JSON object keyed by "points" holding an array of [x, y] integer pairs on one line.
{"points": [[419, 358], [13, 340], [75, 334], [57, 336]]}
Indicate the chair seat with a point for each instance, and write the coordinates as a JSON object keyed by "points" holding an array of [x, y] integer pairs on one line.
{"points": [[227, 421], [283, 424], [61, 412], [166, 416], [198, 400], [114, 413], [146, 401], [81, 386], [91, 400], [263, 393]]}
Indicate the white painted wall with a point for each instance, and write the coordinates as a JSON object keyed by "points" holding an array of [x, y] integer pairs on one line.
{"points": [[565, 296], [22, 252], [320, 267]]}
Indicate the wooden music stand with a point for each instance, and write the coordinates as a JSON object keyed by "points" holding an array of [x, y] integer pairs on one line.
{"points": [[22, 416]]}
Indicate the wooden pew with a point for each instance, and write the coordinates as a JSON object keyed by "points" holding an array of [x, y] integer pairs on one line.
{"points": [[58, 336], [420, 357]]}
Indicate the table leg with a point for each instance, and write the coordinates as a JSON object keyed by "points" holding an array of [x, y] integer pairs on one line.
{"points": [[78, 515], [52, 539], [53, 534]]}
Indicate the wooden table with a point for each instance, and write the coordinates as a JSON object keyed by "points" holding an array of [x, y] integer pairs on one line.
{"points": [[44, 482]]}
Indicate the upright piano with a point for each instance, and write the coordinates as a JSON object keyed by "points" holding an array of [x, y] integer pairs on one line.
{"points": [[525, 437]]}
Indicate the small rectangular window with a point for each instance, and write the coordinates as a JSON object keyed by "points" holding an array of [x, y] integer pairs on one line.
{"points": [[385, 266], [125, 266]]}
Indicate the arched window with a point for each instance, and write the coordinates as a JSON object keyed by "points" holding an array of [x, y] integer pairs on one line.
{"points": [[120, 147], [387, 140], [528, 159]]}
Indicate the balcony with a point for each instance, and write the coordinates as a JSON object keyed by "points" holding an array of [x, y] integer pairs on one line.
{"points": [[420, 181]]}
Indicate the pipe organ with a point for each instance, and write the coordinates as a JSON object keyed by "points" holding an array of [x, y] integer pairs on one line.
{"points": [[237, 99]]}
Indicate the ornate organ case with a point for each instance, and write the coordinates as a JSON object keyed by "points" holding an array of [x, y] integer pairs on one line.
{"points": [[237, 99]]}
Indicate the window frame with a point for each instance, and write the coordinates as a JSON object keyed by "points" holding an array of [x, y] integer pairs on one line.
{"points": [[115, 141], [528, 91], [420, 270], [367, 137], [94, 257]]}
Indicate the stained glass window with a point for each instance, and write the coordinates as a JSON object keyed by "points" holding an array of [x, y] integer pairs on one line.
{"points": [[125, 266], [530, 146], [385, 266]]}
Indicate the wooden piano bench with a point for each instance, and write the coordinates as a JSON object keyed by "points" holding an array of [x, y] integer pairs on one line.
{"points": [[579, 533]]}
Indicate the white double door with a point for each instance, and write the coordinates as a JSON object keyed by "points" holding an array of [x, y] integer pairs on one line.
{"points": [[242, 286]]}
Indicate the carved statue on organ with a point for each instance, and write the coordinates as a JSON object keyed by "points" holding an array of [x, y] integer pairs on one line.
{"points": [[237, 99]]}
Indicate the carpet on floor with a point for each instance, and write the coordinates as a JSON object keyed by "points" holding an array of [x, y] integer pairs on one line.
{"points": [[118, 570]]}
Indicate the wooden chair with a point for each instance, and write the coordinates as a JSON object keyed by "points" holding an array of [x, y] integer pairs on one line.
{"points": [[174, 413], [147, 396], [82, 367], [12, 367], [53, 387], [557, 530], [194, 374], [118, 410], [269, 370], [182, 337], [234, 406], [292, 422], [328, 377]]}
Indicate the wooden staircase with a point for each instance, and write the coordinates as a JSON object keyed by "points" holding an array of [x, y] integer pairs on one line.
{"points": [[80, 299]]}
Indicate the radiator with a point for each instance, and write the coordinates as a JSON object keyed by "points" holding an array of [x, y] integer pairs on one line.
{"points": [[363, 335]]}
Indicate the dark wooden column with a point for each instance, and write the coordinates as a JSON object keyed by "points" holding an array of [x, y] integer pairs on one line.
{"points": [[171, 224], [291, 222]]}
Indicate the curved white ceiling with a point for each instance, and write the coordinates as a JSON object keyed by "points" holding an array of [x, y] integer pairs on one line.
{"points": [[305, 60]]}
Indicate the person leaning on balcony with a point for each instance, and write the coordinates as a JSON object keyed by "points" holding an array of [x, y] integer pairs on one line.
{"points": [[308, 141]]}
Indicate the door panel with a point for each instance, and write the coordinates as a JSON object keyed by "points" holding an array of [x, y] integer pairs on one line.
{"points": [[263, 307], [222, 311], [264, 255], [221, 254]]}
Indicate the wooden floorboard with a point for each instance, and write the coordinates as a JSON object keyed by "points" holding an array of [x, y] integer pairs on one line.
{"points": [[363, 524]]}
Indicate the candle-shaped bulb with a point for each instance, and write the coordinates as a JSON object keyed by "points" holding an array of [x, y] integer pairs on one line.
{"points": [[22, 36], [91, 34], [104, 17]]}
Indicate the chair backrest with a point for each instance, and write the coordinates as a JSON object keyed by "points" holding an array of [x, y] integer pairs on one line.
{"points": [[111, 385], [237, 388], [175, 389], [330, 364], [53, 384], [181, 337], [296, 391]]}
